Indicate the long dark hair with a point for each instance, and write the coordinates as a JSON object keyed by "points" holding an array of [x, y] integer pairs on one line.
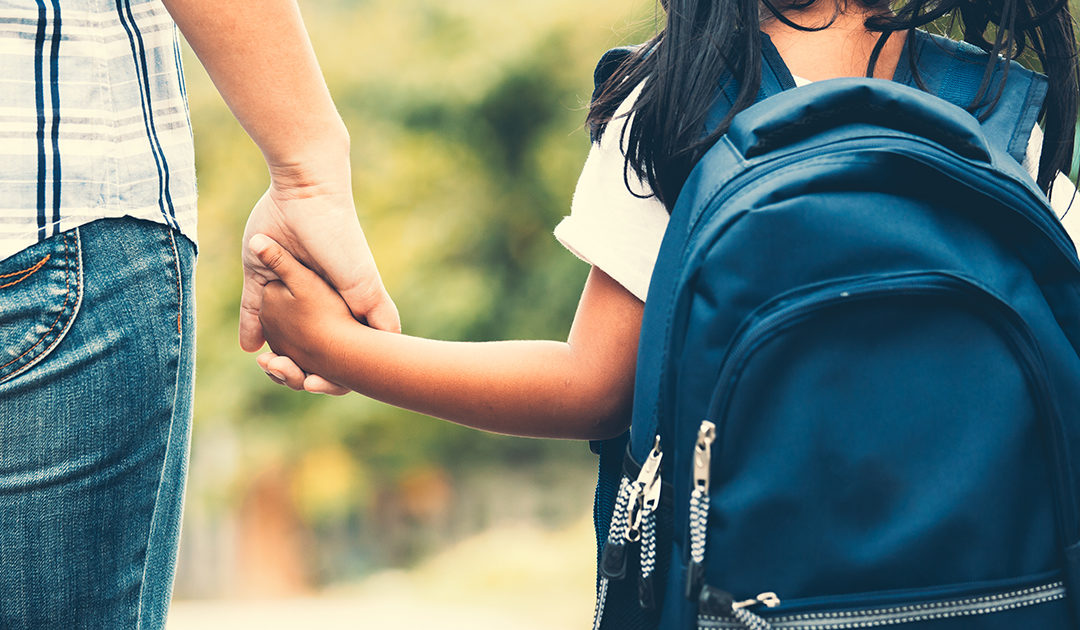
{"points": [[705, 41]]}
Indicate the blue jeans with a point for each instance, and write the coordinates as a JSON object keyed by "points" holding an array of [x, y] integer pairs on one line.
{"points": [[96, 374]]}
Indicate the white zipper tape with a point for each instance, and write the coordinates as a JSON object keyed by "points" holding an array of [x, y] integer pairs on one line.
{"points": [[893, 615]]}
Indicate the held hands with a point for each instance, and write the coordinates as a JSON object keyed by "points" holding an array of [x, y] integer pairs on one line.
{"points": [[321, 230], [300, 315], [317, 223]]}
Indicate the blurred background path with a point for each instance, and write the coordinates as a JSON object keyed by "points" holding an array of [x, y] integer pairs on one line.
{"points": [[519, 577]]}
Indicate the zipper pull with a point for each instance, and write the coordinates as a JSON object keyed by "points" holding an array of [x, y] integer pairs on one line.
{"points": [[613, 557], [699, 508], [646, 492], [650, 478], [769, 600], [714, 602], [703, 456], [613, 560]]}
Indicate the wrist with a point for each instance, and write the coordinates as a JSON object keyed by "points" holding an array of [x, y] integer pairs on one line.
{"points": [[330, 355], [318, 167]]}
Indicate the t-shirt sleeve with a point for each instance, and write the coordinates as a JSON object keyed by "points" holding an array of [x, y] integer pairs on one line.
{"points": [[610, 227], [1063, 196]]}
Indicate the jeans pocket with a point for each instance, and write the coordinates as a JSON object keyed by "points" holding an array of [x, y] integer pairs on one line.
{"points": [[40, 293]]}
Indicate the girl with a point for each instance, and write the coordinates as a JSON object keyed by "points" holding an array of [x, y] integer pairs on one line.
{"points": [[649, 121]]}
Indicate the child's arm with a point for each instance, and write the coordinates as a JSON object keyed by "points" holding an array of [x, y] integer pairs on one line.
{"points": [[578, 389]]}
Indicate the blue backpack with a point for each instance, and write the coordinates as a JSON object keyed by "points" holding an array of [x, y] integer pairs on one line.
{"points": [[858, 381]]}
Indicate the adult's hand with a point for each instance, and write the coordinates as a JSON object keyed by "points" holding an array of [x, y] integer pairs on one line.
{"points": [[317, 223], [261, 60]]}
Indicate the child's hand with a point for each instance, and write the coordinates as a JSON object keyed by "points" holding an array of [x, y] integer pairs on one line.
{"points": [[301, 314]]}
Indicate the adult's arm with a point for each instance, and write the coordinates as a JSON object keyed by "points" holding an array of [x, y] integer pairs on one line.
{"points": [[260, 58]]}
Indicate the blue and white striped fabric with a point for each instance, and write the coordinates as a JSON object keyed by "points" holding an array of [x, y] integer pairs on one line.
{"points": [[93, 118]]}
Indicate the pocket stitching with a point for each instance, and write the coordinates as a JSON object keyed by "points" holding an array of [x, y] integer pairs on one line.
{"points": [[25, 273], [63, 308]]}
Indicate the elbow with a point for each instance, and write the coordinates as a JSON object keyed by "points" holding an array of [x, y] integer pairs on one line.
{"points": [[608, 427], [608, 413]]}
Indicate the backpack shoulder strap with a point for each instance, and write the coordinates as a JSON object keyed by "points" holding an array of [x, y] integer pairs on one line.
{"points": [[775, 78], [954, 70]]}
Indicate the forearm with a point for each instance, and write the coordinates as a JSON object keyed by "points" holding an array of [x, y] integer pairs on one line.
{"points": [[260, 58], [579, 389], [531, 388]]}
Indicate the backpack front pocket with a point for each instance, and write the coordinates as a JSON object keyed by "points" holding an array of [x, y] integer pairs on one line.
{"points": [[893, 432]]}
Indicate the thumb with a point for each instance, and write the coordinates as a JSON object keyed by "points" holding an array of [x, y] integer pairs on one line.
{"points": [[384, 315], [271, 254]]}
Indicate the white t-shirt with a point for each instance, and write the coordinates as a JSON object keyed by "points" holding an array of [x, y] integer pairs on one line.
{"points": [[620, 233]]}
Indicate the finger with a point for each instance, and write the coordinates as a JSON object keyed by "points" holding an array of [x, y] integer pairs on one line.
{"points": [[384, 315], [255, 278], [290, 379], [371, 303], [355, 276], [316, 384], [263, 360], [286, 369], [251, 332], [279, 261]]}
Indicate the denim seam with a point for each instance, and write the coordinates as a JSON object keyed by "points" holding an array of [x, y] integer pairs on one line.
{"points": [[179, 288], [168, 438], [63, 308], [25, 273]]}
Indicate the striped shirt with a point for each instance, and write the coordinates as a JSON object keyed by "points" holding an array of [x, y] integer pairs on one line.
{"points": [[93, 118]]}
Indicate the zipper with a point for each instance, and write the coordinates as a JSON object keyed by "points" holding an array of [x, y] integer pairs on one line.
{"points": [[714, 603], [881, 616], [613, 557], [789, 309], [699, 508], [650, 484], [646, 494], [635, 504]]}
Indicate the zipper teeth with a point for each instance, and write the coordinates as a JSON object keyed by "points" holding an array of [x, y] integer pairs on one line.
{"points": [[893, 615], [616, 532], [648, 545]]}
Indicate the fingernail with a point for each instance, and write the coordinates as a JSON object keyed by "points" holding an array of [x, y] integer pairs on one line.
{"points": [[272, 374]]}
